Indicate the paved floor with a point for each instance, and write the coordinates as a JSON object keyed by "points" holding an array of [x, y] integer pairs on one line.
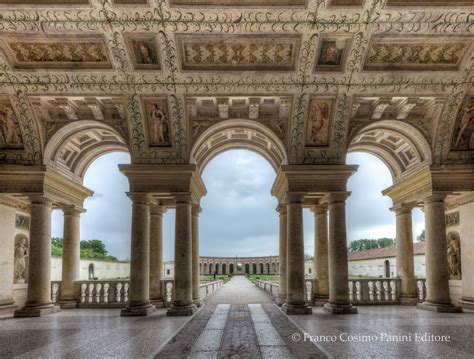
{"points": [[239, 290], [239, 321]]}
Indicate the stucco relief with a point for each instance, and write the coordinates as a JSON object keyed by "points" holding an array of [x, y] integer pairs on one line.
{"points": [[238, 53], [20, 260], [57, 53], [416, 54], [454, 255]]}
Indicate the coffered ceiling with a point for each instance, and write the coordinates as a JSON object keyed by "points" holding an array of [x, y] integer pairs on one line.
{"points": [[159, 73]]}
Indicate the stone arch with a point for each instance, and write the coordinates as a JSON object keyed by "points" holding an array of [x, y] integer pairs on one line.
{"points": [[210, 268], [231, 268], [205, 269], [254, 268], [75, 146], [217, 268], [238, 134], [261, 268], [224, 268], [267, 268], [398, 144], [247, 268]]}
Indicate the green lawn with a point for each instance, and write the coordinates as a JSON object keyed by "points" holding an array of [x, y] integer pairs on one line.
{"points": [[210, 278], [266, 277]]}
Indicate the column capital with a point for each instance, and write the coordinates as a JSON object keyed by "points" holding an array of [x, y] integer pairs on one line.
{"points": [[39, 199], [402, 209], [319, 209], [435, 197], [196, 209], [281, 208], [157, 210], [72, 211], [139, 198], [183, 197], [336, 197], [294, 197]]}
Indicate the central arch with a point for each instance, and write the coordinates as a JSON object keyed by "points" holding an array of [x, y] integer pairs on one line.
{"points": [[238, 134]]}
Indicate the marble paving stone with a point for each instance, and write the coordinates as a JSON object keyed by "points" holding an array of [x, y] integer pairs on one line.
{"points": [[239, 290]]}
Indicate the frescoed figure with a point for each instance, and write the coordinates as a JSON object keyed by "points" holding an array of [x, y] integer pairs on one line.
{"points": [[330, 54], [159, 126], [145, 53], [318, 123], [466, 120], [9, 133]]}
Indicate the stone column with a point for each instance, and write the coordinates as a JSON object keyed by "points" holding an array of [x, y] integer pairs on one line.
{"points": [[321, 288], [282, 291], [337, 257], [39, 276], [183, 286], [195, 260], [71, 256], [156, 254], [405, 259], [139, 302], [437, 275], [296, 302]]}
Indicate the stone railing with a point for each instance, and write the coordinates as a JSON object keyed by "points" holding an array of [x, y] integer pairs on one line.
{"points": [[361, 291], [115, 293]]}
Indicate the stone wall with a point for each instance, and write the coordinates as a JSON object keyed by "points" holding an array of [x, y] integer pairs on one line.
{"points": [[101, 269], [376, 267]]}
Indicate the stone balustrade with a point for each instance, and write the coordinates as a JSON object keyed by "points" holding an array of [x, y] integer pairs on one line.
{"points": [[361, 291], [115, 293]]}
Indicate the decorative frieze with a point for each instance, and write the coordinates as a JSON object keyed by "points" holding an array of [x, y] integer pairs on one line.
{"points": [[452, 219]]}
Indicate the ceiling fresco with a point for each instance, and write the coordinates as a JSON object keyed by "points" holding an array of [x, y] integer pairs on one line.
{"points": [[161, 72]]}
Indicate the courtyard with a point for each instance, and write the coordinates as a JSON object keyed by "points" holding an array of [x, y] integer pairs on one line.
{"points": [[241, 320]]}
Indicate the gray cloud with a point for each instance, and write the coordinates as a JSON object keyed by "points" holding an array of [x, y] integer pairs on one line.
{"points": [[239, 216]]}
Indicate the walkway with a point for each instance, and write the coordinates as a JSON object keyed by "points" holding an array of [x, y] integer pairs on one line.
{"points": [[239, 290]]}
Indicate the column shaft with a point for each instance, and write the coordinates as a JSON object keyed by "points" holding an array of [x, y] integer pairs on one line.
{"points": [[183, 288], [437, 275], [282, 290], [39, 276], [156, 254], [337, 257], [405, 260], [321, 293], [195, 249], [296, 302], [71, 257], [139, 303]]}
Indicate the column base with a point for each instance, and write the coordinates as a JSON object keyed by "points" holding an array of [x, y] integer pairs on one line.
{"points": [[179, 311], [320, 300], [198, 302], [296, 309], [280, 301], [68, 303], [157, 303], [137, 310], [439, 307], [36, 311], [7, 306], [467, 303], [409, 300], [336, 308]]}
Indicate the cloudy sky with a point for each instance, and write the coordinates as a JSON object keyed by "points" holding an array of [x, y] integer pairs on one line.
{"points": [[239, 216]]}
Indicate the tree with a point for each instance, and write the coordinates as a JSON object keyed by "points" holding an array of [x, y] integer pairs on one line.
{"points": [[421, 237], [56, 246], [91, 249], [366, 244]]}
